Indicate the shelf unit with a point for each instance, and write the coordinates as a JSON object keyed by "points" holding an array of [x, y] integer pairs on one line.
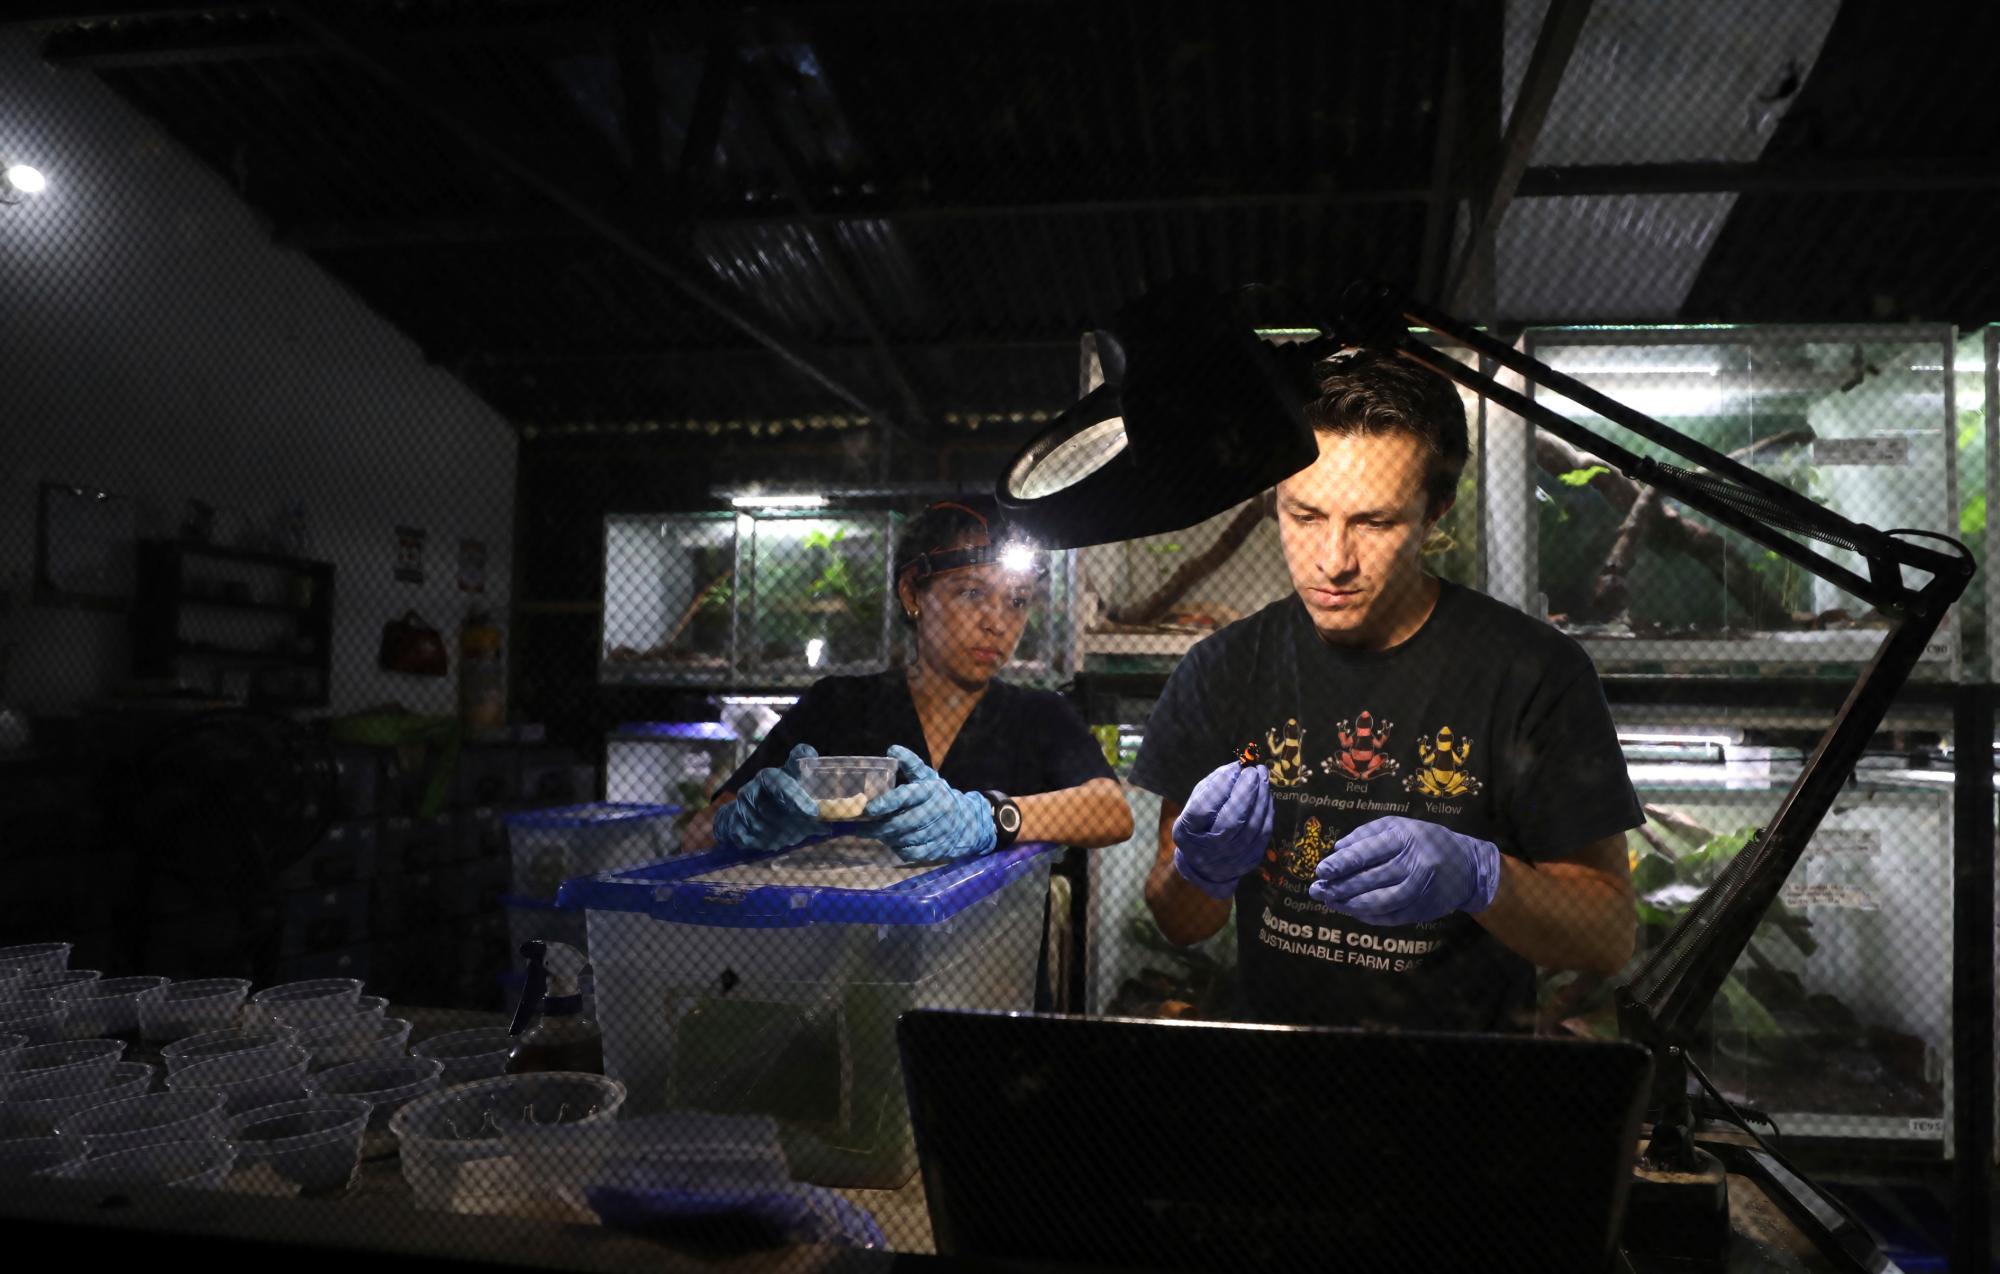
{"points": [[236, 603]]}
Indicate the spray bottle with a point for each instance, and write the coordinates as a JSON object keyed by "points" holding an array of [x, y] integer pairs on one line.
{"points": [[565, 1038]]}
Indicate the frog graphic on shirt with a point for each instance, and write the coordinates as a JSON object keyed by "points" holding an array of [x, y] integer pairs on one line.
{"points": [[1441, 772], [1288, 767], [1364, 744]]}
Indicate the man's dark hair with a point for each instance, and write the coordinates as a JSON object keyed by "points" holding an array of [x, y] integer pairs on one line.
{"points": [[1371, 391]]}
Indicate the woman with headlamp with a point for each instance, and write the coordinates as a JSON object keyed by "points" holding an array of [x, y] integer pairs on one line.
{"points": [[981, 763]]}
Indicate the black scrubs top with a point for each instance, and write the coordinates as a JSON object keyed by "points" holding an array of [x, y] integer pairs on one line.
{"points": [[1018, 741]]}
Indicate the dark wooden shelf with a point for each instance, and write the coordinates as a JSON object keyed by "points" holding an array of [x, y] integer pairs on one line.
{"points": [[164, 597], [226, 603], [202, 649]]}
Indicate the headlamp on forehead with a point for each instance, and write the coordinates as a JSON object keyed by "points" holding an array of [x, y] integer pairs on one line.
{"points": [[1013, 553]]}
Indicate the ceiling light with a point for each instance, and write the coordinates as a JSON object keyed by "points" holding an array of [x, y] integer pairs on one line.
{"points": [[21, 179], [778, 501]]}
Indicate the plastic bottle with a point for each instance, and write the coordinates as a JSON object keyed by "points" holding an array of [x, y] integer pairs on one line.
{"points": [[565, 1038], [482, 673]]}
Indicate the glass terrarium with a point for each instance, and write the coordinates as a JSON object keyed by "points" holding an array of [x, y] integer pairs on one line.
{"points": [[820, 600], [1859, 419], [1152, 598], [670, 597], [1836, 1020]]}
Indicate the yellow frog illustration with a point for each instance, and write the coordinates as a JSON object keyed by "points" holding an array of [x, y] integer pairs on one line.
{"points": [[1287, 755], [1307, 850], [1441, 771]]}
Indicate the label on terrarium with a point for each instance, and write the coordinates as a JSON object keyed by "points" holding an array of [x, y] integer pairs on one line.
{"points": [[1825, 895], [1881, 449], [1927, 1127], [1846, 840]]}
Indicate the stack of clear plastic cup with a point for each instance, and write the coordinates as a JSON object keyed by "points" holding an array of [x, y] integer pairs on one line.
{"points": [[45, 984], [79, 1063], [451, 1142], [386, 1085], [479, 1053], [248, 1079], [182, 1054], [141, 1121], [314, 1143], [10, 1052], [359, 1039], [298, 1004], [189, 1008], [190, 1165], [38, 1021], [106, 1006], [34, 1108], [24, 1157], [36, 957]]}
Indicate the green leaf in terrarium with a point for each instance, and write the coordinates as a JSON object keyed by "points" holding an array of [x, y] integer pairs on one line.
{"points": [[1655, 916], [1972, 518], [1703, 864], [1971, 424], [1745, 1010], [1581, 477], [1653, 871]]}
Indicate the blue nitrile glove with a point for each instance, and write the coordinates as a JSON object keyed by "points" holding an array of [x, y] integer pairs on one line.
{"points": [[1224, 828], [925, 819], [1404, 871], [771, 812]]}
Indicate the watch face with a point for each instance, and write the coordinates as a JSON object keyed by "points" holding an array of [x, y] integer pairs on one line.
{"points": [[1010, 818]]}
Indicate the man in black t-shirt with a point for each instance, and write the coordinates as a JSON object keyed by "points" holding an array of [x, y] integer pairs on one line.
{"points": [[1442, 804]]}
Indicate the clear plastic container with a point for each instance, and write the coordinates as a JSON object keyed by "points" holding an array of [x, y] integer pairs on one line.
{"points": [[314, 1142], [186, 1165], [35, 1111], [452, 1144], [249, 1079], [843, 785], [358, 1039], [681, 1149], [38, 1022], [551, 845], [479, 1053], [82, 1062], [36, 957], [24, 1157], [141, 1121], [182, 1054], [48, 982], [385, 1086], [787, 975], [188, 1008], [107, 1006], [294, 1003], [10, 1052]]}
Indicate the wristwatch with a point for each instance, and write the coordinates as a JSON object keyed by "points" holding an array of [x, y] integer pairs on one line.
{"points": [[1006, 818]]}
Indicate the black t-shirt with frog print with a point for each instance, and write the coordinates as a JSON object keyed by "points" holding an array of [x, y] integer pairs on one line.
{"points": [[1486, 721]]}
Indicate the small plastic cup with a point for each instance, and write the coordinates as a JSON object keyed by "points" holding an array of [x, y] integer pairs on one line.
{"points": [[443, 1136], [314, 1142], [188, 1008], [48, 983], [843, 785], [359, 1039], [40, 1022], [10, 1052], [107, 1006], [385, 1085], [182, 1054], [294, 1003], [479, 1053], [249, 1079], [79, 1062], [188, 1165], [141, 1121], [35, 1110], [24, 1157], [36, 957]]}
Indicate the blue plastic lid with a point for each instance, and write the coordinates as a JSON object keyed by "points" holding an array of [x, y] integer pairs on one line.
{"points": [[668, 891], [714, 731], [565, 818]]}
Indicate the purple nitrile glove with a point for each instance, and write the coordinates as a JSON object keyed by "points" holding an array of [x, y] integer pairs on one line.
{"points": [[925, 819], [1404, 871], [1221, 833], [771, 812]]}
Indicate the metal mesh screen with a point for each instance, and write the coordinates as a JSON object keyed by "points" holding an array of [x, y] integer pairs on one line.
{"points": [[516, 696]]}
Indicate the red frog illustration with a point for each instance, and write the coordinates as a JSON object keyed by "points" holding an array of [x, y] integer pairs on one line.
{"points": [[1364, 748]]}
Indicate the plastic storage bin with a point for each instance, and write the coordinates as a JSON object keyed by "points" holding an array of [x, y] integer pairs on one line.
{"points": [[770, 984], [668, 762], [550, 846]]}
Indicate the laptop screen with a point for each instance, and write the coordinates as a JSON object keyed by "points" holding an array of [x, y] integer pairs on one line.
{"points": [[1210, 1146]]}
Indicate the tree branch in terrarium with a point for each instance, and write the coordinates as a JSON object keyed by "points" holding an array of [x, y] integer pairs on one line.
{"points": [[1153, 607]]}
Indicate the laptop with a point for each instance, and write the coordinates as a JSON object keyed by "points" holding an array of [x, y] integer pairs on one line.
{"points": [[1182, 1145]]}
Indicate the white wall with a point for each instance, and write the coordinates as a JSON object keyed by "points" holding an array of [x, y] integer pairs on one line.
{"points": [[154, 342]]}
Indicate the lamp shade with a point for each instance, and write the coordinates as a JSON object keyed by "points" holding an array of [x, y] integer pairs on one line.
{"points": [[1201, 418]]}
